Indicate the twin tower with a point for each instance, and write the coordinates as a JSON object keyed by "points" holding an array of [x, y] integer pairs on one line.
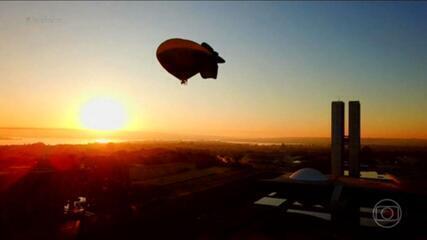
{"points": [[339, 140]]}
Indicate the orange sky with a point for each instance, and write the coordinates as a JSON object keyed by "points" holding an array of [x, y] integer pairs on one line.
{"points": [[285, 63]]}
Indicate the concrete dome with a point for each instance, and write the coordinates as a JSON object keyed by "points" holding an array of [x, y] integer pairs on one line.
{"points": [[308, 174]]}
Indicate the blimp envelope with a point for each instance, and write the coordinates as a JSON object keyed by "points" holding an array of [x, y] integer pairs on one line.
{"points": [[184, 58]]}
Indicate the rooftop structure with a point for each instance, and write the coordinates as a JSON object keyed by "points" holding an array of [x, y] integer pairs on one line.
{"points": [[309, 175]]}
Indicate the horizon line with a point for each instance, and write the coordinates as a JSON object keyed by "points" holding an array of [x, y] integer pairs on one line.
{"points": [[199, 135]]}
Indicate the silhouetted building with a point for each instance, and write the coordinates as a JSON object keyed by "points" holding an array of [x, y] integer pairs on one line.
{"points": [[354, 138], [337, 138]]}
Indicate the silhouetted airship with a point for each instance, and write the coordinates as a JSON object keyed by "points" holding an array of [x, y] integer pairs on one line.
{"points": [[184, 59]]}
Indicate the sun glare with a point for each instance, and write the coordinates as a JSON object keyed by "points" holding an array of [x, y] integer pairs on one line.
{"points": [[103, 114]]}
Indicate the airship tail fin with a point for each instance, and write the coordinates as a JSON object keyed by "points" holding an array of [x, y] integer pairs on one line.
{"points": [[218, 59], [208, 47]]}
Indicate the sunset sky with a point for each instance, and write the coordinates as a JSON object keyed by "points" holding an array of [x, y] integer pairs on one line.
{"points": [[285, 63]]}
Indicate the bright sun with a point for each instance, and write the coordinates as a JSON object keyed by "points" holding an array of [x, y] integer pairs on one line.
{"points": [[103, 114]]}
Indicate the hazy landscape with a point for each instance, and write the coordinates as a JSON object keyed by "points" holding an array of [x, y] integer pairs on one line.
{"points": [[133, 187], [16, 136]]}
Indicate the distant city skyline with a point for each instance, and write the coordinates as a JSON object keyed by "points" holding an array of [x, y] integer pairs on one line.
{"points": [[285, 63]]}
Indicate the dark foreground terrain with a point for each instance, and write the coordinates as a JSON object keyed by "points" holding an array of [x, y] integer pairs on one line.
{"points": [[179, 190]]}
